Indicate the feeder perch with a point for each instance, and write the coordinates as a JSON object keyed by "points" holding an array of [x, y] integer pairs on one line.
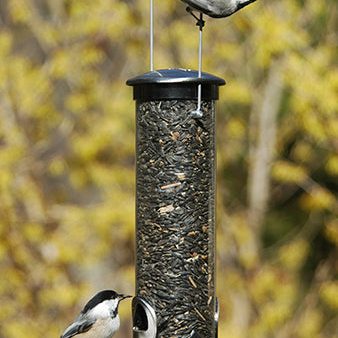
{"points": [[175, 205]]}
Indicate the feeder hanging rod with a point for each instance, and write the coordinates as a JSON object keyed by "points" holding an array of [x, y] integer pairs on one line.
{"points": [[151, 35], [200, 23]]}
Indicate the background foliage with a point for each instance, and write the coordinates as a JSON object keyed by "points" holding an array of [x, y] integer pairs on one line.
{"points": [[67, 159]]}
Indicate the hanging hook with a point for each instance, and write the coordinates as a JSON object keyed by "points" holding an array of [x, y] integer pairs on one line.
{"points": [[200, 23]]}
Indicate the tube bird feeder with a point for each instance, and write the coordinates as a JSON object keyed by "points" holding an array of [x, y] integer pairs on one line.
{"points": [[175, 205]]}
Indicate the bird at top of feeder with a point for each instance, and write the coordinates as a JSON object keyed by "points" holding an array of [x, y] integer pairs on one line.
{"points": [[218, 8], [99, 318]]}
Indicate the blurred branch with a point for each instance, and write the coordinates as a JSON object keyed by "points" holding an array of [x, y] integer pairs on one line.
{"points": [[311, 299], [262, 152], [307, 232]]}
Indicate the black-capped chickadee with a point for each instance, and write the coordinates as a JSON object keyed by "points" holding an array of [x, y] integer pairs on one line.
{"points": [[99, 318], [218, 8]]}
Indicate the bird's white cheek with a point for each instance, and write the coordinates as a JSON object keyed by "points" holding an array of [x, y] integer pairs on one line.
{"points": [[104, 309]]}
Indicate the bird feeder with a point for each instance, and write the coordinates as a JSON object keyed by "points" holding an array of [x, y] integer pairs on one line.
{"points": [[175, 204]]}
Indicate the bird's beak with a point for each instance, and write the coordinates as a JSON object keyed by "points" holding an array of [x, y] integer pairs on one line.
{"points": [[124, 296]]}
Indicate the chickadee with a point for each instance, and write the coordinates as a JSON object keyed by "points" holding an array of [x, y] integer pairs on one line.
{"points": [[99, 318], [218, 8]]}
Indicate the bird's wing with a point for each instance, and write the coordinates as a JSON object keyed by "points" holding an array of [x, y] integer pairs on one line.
{"points": [[218, 8], [200, 5], [79, 326]]}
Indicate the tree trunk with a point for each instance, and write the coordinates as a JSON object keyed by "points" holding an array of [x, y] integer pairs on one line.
{"points": [[262, 153]]}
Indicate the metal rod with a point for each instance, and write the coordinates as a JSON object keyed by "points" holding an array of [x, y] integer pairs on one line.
{"points": [[200, 47], [200, 23], [151, 35]]}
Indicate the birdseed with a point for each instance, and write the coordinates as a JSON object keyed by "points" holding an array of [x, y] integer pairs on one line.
{"points": [[175, 206]]}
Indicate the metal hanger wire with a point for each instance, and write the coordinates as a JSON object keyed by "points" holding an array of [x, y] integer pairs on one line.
{"points": [[200, 50], [200, 23], [151, 35]]}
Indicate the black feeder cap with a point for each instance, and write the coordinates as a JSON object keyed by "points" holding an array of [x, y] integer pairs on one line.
{"points": [[175, 84]]}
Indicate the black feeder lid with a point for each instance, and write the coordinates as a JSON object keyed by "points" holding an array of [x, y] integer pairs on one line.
{"points": [[175, 84]]}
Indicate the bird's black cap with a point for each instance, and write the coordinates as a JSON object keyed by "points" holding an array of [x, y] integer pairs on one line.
{"points": [[99, 298]]}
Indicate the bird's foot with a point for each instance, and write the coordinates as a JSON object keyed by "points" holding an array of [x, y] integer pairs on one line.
{"points": [[199, 20]]}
